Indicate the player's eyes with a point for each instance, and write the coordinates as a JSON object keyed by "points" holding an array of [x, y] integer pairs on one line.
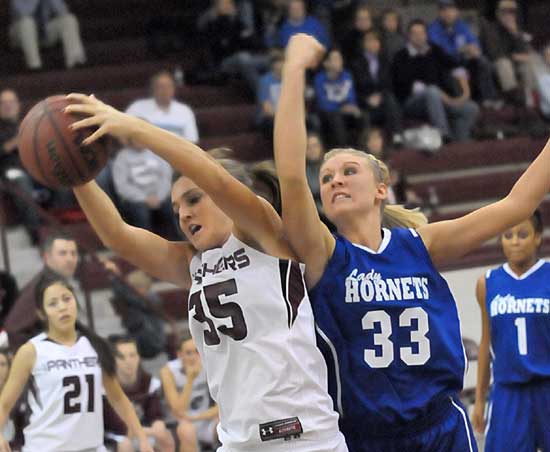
{"points": [[350, 170], [508, 235], [326, 178], [523, 234]]}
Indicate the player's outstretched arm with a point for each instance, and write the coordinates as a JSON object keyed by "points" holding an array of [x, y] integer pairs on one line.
{"points": [[309, 237], [251, 215], [447, 240], [19, 375], [483, 360], [211, 413], [165, 260], [125, 410]]}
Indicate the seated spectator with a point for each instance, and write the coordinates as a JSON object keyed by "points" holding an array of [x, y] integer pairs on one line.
{"points": [[45, 22], [269, 90], [422, 80], [9, 292], [141, 311], [508, 47], [60, 258], [230, 46], [11, 168], [314, 159], [351, 42], [186, 392], [393, 39], [457, 40], [164, 111], [372, 75], [142, 182], [272, 14], [143, 390], [372, 141], [337, 102], [543, 82], [297, 21]]}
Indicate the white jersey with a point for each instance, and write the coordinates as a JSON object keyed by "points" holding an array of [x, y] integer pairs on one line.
{"points": [[65, 397], [252, 322]]}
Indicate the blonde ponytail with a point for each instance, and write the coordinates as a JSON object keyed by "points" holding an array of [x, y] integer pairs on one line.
{"points": [[397, 216], [393, 216]]}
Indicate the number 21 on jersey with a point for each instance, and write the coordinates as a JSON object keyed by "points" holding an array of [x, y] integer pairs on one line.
{"points": [[383, 338]]}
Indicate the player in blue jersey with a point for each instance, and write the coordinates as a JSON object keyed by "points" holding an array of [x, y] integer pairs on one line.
{"points": [[386, 319], [515, 310]]}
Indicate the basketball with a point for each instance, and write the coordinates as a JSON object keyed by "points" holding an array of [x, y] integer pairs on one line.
{"points": [[52, 153]]}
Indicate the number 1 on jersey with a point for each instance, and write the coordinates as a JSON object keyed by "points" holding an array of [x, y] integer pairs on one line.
{"points": [[521, 326]]}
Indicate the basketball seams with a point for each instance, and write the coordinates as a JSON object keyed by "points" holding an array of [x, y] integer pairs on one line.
{"points": [[36, 151], [66, 148]]}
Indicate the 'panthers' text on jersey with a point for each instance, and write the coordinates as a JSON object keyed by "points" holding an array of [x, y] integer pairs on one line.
{"points": [[389, 329], [519, 314], [65, 397], [253, 326]]}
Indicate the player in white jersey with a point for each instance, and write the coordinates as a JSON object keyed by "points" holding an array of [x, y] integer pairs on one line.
{"points": [[67, 368], [186, 391], [249, 313]]}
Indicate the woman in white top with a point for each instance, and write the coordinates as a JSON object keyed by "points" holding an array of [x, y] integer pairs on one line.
{"points": [[67, 367], [249, 313]]}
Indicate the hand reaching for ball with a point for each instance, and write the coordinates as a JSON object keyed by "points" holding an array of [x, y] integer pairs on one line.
{"points": [[107, 120]]}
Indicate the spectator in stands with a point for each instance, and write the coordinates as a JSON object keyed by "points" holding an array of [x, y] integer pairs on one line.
{"points": [[186, 392], [314, 159], [8, 430], [393, 39], [509, 49], [230, 46], [457, 40], [268, 94], [337, 102], [298, 21], [351, 42], [372, 141], [60, 258], [45, 22], [142, 182], [372, 75], [423, 80], [164, 111], [272, 15], [143, 390], [543, 81], [10, 164]]}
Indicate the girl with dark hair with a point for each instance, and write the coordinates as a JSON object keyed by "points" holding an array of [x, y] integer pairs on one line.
{"points": [[249, 313], [515, 311], [67, 368]]}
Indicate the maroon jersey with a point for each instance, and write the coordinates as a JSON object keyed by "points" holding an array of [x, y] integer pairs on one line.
{"points": [[144, 395]]}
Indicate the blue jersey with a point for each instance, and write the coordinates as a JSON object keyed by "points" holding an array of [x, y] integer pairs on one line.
{"points": [[519, 315], [389, 329]]}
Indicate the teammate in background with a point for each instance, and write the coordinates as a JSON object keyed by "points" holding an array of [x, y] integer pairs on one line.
{"points": [[8, 430], [186, 391], [515, 310], [67, 366], [249, 313], [142, 390], [386, 317]]}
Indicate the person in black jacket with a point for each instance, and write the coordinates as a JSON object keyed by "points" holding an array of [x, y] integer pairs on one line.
{"points": [[373, 82], [424, 80]]}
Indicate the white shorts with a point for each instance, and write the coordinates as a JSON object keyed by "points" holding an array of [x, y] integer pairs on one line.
{"points": [[302, 444]]}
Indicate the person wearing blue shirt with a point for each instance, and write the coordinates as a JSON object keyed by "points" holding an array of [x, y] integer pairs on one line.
{"points": [[454, 36], [337, 102], [299, 22], [268, 92], [514, 300]]}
